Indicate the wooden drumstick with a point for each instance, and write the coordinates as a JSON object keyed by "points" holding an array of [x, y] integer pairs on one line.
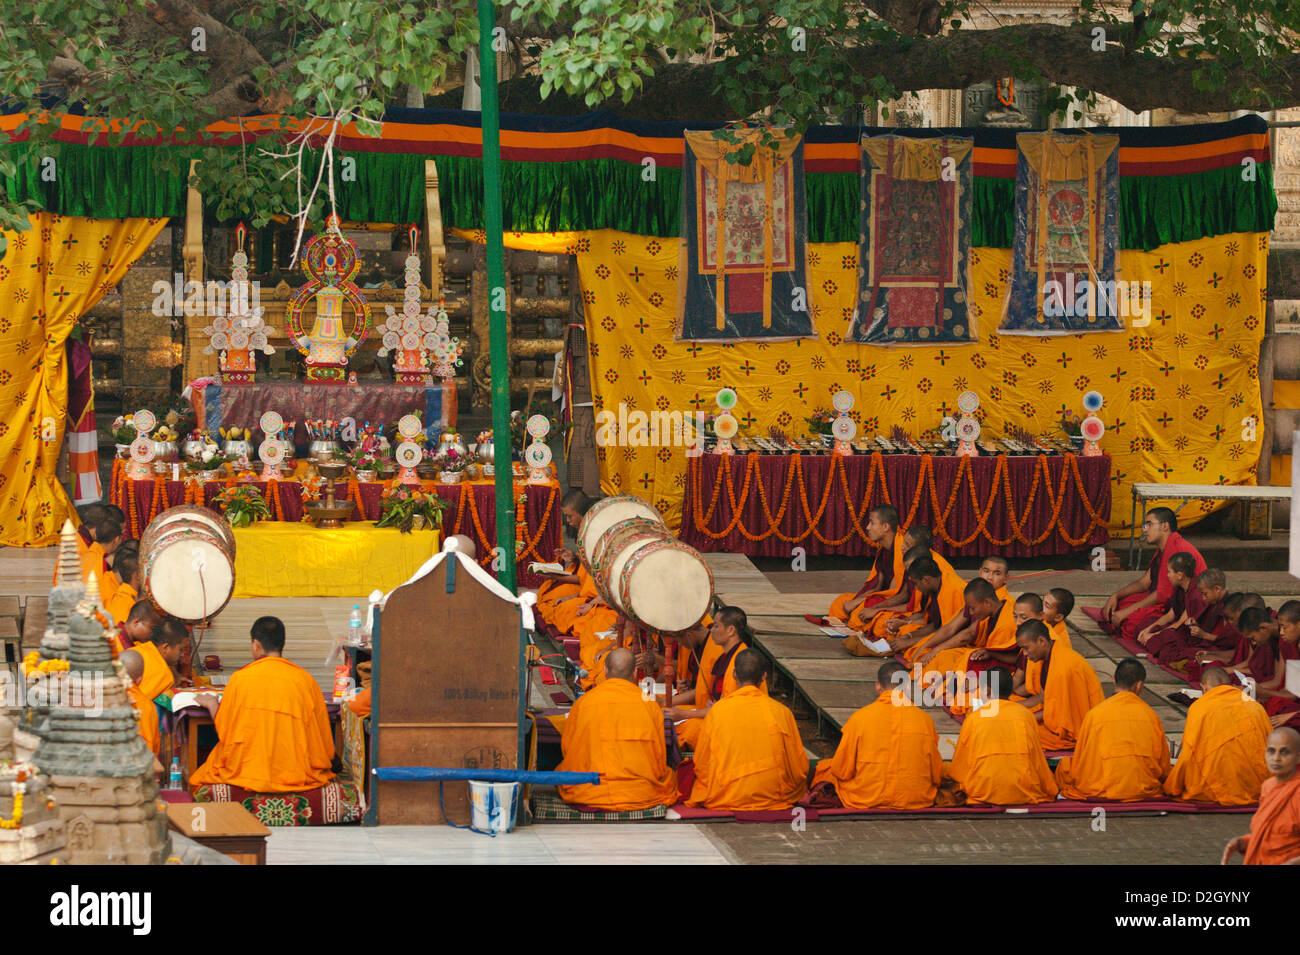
{"points": [[670, 669]]}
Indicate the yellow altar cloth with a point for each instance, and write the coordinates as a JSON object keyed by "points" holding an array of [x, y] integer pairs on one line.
{"points": [[279, 559]]}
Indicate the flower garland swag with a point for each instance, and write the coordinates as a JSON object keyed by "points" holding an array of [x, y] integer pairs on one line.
{"points": [[925, 485]]}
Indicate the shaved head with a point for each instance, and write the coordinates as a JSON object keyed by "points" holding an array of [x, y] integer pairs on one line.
{"points": [[1213, 676], [1282, 752], [620, 664], [133, 663], [751, 667], [887, 677]]}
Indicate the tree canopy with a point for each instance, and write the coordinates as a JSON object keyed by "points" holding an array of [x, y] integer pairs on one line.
{"points": [[179, 64]]}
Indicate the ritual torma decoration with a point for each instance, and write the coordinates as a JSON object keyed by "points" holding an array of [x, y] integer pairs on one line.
{"points": [[725, 425], [236, 335], [330, 261], [140, 464], [537, 455], [1092, 427], [843, 428], [419, 343]]}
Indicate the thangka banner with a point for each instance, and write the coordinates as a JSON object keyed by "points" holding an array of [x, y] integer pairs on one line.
{"points": [[742, 261], [914, 241], [1067, 231]]}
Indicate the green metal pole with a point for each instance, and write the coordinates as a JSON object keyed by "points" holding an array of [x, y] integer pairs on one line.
{"points": [[496, 270]]}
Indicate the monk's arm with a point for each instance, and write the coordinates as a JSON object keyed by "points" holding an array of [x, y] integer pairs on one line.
{"points": [[1274, 685], [1138, 586], [1164, 620], [898, 623], [899, 599], [1147, 601], [962, 638], [911, 638], [562, 579], [1239, 844], [1009, 657]]}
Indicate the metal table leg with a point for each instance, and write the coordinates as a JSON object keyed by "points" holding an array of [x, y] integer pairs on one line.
{"points": [[1133, 529]]}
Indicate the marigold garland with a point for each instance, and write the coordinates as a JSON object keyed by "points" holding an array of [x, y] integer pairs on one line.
{"points": [[926, 485], [16, 820]]}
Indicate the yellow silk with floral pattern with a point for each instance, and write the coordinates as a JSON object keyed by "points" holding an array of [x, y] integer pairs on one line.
{"points": [[50, 274], [1180, 391]]}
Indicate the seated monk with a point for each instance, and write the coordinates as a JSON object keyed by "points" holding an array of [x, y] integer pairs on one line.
{"points": [[147, 681], [943, 603], [1205, 625], [729, 634], [1070, 687], [127, 569], [916, 540], [138, 626], [991, 641], [998, 759], [886, 573], [1181, 570], [888, 756], [557, 587], [615, 731], [89, 515], [1058, 603], [749, 755], [1223, 654], [1274, 837], [108, 535], [1222, 757], [996, 569], [878, 627], [1027, 679], [1259, 654], [1122, 753], [1129, 610], [274, 733], [1282, 705]]}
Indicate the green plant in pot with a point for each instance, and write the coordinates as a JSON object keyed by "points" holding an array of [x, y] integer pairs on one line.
{"points": [[242, 505], [409, 508]]}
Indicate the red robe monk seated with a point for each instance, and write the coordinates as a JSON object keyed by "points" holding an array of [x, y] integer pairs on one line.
{"points": [[1205, 625], [1223, 654], [1274, 837], [1222, 758], [886, 573], [998, 760], [1132, 607], [1070, 686], [613, 730], [274, 733], [888, 756], [749, 755], [1281, 704], [1122, 753], [1262, 654]]}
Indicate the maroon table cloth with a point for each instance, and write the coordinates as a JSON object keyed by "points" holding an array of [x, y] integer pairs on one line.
{"points": [[471, 511], [1058, 504]]}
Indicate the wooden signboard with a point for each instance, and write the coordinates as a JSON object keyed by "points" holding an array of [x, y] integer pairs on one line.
{"points": [[446, 690]]}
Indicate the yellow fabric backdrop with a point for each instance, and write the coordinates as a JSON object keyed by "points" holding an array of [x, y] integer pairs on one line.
{"points": [[1176, 391], [50, 274], [279, 559]]}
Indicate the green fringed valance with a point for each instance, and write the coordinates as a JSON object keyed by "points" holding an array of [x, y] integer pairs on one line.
{"points": [[130, 181]]}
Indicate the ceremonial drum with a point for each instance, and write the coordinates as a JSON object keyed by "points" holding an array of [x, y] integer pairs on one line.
{"points": [[603, 515], [648, 575], [187, 563]]}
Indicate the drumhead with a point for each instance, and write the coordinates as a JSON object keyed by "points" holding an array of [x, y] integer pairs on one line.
{"points": [[666, 586], [190, 512], [604, 514], [612, 572], [612, 543], [189, 575]]}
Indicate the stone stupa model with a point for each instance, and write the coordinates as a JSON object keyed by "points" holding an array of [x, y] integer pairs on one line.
{"points": [[101, 772]]}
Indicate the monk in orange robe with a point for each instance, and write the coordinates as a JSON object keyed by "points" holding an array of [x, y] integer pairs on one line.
{"points": [[888, 756], [127, 569], [1274, 837], [998, 759], [903, 608], [139, 625], [1058, 603], [1122, 753], [992, 643], [151, 665], [749, 755], [944, 605], [728, 635], [274, 733], [886, 574], [557, 587], [1222, 758], [1070, 686], [615, 731], [916, 543]]}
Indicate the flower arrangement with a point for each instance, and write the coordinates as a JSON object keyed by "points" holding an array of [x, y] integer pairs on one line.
{"points": [[364, 460], [209, 459], [124, 429], [1072, 425], [408, 509], [821, 420], [311, 487], [243, 505], [450, 461]]}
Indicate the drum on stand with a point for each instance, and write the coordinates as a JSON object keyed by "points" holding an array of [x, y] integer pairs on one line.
{"points": [[663, 584], [203, 515], [621, 539], [187, 569], [604, 514]]}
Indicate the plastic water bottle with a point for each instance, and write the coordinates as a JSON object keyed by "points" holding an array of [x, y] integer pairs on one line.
{"points": [[174, 782], [354, 626]]}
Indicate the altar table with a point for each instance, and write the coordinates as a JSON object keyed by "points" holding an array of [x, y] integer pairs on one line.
{"points": [[471, 510], [281, 559], [765, 505]]}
